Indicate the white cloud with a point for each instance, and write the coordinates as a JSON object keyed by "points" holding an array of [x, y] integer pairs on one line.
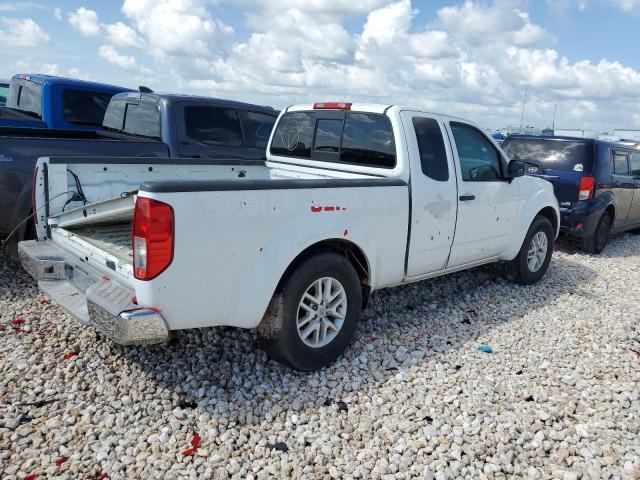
{"points": [[111, 55], [178, 28], [628, 5], [28, 65], [122, 35], [86, 21], [22, 32], [57, 13]]}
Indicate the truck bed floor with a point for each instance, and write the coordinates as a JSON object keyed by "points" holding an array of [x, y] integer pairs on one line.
{"points": [[114, 239]]}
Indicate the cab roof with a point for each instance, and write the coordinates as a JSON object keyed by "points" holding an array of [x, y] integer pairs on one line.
{"points": [[380, 108], [43, 79], [172, 98]]}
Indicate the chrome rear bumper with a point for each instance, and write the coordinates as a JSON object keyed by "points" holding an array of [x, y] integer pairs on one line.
{"points": [[90, 295]]}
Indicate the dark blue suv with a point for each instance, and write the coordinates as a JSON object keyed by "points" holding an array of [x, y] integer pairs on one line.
{"points": [[597, 183]]}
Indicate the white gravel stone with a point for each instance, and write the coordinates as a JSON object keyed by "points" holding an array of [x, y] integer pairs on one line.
{"points": [[412, 398]]}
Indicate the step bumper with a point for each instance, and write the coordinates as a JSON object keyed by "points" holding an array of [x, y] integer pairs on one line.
{"points": [[91, 296]]}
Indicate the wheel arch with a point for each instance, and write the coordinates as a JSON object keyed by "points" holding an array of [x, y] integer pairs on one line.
{"points": [[551, 214], [352, 252]]}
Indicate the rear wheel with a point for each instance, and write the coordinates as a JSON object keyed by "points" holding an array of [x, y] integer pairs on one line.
{"points": [[314, 314], [598, 240], [535, 254]]}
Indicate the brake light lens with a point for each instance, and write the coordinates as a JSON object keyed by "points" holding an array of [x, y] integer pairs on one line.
{"points": [[152, 240], [585, 191], [332, 106]]}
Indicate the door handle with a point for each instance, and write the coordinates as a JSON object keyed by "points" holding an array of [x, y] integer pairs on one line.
{"points": [[466, 198]]}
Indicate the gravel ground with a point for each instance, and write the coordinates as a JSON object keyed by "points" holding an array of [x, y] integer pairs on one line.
{"points": [[412, 398]]}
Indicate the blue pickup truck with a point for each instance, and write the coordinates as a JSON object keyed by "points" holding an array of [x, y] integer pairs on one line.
{"points": [[43, 101], [140, 124]]}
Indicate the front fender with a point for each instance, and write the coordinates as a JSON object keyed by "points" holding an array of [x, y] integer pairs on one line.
{"points": [[532, 202]]}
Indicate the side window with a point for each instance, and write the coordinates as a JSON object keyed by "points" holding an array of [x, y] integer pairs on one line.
{"points": [[328, 134], [213, 125], [368, 140], [621, 163], [635, 164], [433, 156], [142, 119], [83, 107], [479, 160], [294, 135], [260, 126]]}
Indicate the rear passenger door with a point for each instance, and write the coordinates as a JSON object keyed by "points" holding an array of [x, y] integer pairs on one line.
{"points": [[623, 185], [211, 131], [433, 193], [487, 202]]}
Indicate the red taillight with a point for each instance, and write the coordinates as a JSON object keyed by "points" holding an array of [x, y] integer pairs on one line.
{"points": [[332, 106], [585, 191], [152, 238], [33, 195]]}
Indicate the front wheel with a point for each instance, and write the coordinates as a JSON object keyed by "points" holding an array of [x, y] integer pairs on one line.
{"points": [[535, 254], [598, 240], [314, 314]]}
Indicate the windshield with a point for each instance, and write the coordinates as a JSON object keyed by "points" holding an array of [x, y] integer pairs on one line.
{"points": [[551, 154], [4, 91], [26, 96]]}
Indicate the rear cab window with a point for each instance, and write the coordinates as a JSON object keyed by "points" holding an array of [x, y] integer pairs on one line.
{"points": [[135, 117], [552, 154], [26, 96], [354, 138]]}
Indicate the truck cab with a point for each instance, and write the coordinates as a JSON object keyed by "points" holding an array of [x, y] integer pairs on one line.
{"points": [[44, 101], [192, 126]]}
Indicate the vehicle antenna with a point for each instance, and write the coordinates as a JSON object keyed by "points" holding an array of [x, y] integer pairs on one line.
{"points": [[524, 102]]}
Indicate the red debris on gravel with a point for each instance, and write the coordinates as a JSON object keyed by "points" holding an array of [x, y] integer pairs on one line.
{"points": [[102, 476], [194, 445], [45, 301], [43, 331], [635, 351], [17, 321], [30, 477], [60, 461], [69, 355]]}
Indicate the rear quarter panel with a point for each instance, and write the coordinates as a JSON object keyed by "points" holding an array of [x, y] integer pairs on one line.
{"points": [[232, 247]]}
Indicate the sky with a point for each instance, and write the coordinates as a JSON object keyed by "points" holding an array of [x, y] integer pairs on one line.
{"points": [[473, 59]]}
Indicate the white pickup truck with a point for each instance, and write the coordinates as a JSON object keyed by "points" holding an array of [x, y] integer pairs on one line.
{"points": [[353, 198]]}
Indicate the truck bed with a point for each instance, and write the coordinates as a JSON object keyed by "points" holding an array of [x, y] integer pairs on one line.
{"points": [[112, 239]]}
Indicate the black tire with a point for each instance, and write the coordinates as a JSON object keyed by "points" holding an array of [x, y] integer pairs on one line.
{"points": [[518, 268], [278, 331], [598, 240]]}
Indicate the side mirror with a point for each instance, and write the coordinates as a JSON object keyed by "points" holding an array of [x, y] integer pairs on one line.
{"points": [[517, 168]]}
